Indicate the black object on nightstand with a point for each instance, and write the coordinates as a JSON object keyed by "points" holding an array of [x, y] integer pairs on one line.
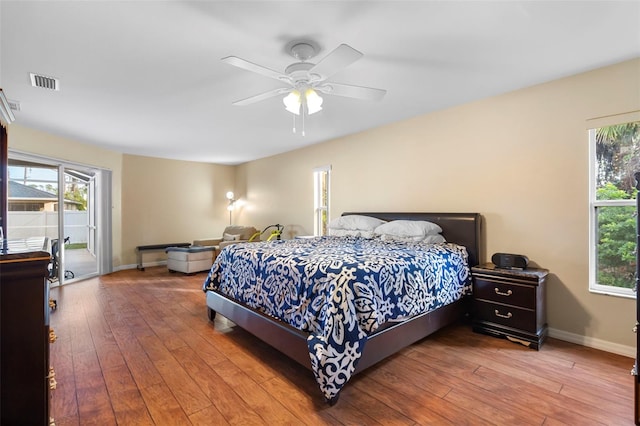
{"points": [[510, 303]]}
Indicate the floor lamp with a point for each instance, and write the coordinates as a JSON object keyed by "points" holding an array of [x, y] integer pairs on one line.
{"points": [[232, 204]]}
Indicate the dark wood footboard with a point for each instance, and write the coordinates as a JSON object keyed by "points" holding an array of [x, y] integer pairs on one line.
{"points": [[293, 342], [288, 340], [392, 339]]}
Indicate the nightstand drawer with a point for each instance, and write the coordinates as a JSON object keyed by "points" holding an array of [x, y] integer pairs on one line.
{"points": [[511, 293], [506, 315]]}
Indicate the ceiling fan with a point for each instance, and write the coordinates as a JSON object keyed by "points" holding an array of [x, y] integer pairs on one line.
{"points": [[306, 79]]}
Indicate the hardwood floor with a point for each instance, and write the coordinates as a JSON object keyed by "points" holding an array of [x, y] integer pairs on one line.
{"points": [[136, 348]]}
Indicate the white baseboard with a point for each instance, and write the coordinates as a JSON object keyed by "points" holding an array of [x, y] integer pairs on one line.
{"points": [[590, 342], [134, 265]]}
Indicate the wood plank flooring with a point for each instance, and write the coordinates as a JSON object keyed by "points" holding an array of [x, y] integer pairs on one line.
{"points": [[136, 348]]}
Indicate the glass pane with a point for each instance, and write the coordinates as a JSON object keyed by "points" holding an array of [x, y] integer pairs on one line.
{"points": [[324, 222], [32, 202], [325, 188], [617, 161], [616, 245]]}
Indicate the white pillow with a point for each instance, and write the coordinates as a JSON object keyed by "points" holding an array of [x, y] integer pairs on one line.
{"points": [[427, 239], [350, 233], [408, 228], [434, 239], [230, 237], [355, 222]]}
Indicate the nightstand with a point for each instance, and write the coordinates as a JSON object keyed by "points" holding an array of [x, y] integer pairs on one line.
{"points": [[510, 303]]}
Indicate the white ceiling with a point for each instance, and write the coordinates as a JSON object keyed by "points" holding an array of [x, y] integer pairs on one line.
{"points": [[145, 77]]}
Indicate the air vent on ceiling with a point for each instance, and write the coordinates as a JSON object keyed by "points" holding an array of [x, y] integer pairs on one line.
{"points": [[45, 82]]}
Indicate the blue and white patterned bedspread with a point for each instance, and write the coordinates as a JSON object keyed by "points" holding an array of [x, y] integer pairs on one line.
{"points": [[340, 290]]}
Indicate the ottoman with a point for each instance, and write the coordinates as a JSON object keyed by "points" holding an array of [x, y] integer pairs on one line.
{"points": [[190, 259]]}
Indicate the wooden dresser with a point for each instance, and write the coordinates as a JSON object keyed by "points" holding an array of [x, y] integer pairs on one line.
{"points": [[510, 303], [25, 378]]}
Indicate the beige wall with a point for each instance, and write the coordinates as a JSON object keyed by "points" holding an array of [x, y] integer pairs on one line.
{"points": [[169, 201], [520, 159]]}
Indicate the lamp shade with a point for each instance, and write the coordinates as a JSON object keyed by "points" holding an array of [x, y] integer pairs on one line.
{"points": [[232, 201], [292, 102], [314, 101]]}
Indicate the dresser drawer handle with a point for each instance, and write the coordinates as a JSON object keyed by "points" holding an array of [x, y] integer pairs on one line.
{"points": [[498, 314], [52, 379], [502, 293]]}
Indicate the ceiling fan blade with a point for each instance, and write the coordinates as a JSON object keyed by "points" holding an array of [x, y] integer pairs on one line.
{"points": [[351, 91], [341, 57], [261, 96], [250, 66]]}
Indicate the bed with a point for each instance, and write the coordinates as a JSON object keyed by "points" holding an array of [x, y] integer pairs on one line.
{"points": [[300, 295]]}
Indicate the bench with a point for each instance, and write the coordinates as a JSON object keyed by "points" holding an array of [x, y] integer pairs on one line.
{"points": [[154, 247]]}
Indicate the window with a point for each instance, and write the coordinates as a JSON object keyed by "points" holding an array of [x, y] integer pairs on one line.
{"points": [[321, 199], [615, 158]]}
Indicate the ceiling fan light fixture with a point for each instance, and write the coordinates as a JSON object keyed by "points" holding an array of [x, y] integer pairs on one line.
{"points": [[306, 80], [292, 102], [314, 101]]}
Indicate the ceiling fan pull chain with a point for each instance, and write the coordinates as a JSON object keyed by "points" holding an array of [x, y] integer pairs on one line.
{"points": [[303, 108], [294, 123]]}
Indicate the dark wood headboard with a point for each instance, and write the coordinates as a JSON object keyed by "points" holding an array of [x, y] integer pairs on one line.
{"points": [[460, 228]]}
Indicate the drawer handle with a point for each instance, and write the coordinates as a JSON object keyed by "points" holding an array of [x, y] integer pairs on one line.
{"points": [[498, 314], [52, 379], [501, 293]]}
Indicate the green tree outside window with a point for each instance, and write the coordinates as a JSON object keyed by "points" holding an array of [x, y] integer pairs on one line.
{"points": [[617, 160]]}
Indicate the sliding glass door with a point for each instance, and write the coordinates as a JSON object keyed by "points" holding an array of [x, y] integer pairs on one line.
{"points": [[53, 204]]}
